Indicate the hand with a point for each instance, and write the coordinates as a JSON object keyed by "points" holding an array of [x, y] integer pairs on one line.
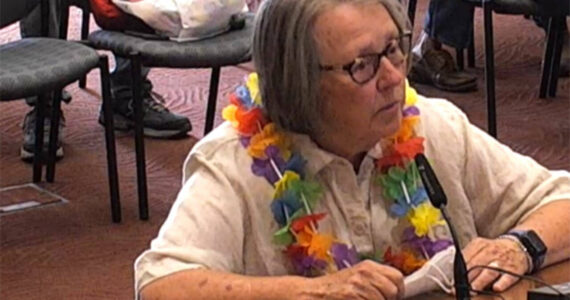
{"points": [[498, 253], [367, 280]]}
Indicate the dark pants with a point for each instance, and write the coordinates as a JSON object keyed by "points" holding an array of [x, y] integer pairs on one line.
{"points": [[450, 22], [120, 81]]}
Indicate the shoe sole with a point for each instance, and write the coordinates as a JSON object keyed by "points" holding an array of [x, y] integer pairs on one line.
{"points": [[28, 156], [467, 87], [121, 123]]}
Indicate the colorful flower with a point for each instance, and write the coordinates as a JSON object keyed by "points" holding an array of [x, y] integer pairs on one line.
{"points": [[285, 206], [229, 114], [283, 236], [267, 137], [391, 160], [300, 223], [242, 94], [405, 261], [284, 183], [271, 167], [304, 265], [393, 180], [410, 148], [344, 257], [406, 131], [296, 164], [424, 217], [424, 244], [253, 87], [401, 207], [317, 244], [411, 95]]}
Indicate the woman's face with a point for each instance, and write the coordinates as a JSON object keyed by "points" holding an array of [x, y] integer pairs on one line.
{"points": [[360, 114]]}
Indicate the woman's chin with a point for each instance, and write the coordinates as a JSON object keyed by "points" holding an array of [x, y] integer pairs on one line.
{"points": [[392, 124]]}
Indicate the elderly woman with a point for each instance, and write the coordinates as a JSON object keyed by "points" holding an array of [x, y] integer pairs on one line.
{"points": [[310, 191]]}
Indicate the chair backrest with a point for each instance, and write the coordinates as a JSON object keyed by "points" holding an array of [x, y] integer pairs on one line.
{"points": [[14, 10]]}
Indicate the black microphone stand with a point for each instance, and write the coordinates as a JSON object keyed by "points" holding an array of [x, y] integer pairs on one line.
{"points": [[438, 199], [461, 282]]}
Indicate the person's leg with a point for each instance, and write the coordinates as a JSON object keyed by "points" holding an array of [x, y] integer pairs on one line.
{"points": [[450, 23], [158, 121], [30, 26]]}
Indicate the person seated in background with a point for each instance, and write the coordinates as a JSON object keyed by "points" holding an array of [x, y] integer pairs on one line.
{"points": [[158, 121], [310, 190], [451, 23]]}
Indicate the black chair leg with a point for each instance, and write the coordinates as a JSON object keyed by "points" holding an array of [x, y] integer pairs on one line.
{"points": [[471, 52], [212, 99], [84, 23], [110, 140], [44, 11], [53, 136], [412, 11], [460, 59], [490, 68], [139, 134], [547, 58], [84, 36], [39, 138], [556, 56]]}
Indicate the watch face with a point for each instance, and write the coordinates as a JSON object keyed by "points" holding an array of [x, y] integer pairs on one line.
{"points": [[535, 244]]}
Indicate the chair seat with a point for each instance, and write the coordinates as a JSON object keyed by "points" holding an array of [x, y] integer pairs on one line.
{"points": [[229, 48], [528, 7], [31, 66]]}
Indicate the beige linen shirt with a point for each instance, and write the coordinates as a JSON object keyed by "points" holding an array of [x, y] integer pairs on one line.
{"points": [[222, 219]]}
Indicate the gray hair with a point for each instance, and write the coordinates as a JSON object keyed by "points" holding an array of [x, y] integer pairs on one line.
{"points": [[287, 61]]}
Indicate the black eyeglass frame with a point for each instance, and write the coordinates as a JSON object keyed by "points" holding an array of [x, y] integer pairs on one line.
{"points": [[347, 67]]}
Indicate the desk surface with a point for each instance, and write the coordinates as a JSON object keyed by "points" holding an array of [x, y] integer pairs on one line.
{"points": [[558, 273]]}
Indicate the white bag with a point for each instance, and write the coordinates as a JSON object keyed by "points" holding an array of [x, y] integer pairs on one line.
{"points": [[184, 20], [436, 272]]}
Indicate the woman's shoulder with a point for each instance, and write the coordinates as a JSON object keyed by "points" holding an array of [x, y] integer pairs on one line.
{"points": [[439, 110], [221, 148], [222, 138]]}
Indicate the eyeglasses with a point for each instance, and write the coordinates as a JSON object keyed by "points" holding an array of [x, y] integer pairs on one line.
{"points": [[364, 68]]}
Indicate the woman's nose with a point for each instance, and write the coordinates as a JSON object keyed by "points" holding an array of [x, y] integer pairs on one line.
{"points": [[390, 75]]}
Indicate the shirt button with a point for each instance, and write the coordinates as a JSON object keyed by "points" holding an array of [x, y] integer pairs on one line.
{"points": [[359, 229]]}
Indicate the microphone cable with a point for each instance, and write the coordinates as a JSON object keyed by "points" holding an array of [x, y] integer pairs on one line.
{"points": [[527, 277]]}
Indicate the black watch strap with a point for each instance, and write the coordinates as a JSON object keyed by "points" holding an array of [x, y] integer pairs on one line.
{"points": [[534, 245]]}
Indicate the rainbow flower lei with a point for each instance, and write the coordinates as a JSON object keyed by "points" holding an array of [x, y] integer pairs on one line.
{"points": [[312, 252]]}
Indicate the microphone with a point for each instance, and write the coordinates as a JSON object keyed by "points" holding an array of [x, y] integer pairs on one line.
{"points": [[438, 199]]}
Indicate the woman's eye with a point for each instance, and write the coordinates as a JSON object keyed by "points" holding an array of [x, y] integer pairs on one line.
{"points": [[358, 65]]}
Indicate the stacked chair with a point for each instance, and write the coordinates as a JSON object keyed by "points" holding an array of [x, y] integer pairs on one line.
{"points": [[42, 67]]}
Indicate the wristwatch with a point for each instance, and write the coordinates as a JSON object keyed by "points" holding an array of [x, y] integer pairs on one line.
{"points": [[534, 246]]}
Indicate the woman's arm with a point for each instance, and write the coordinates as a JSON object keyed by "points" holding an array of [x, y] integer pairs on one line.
{"points": [[550, 222], [366, 280], [208, 284]]}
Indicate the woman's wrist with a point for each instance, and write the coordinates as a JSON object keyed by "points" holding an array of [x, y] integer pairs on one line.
{"points": [[522, 248]]}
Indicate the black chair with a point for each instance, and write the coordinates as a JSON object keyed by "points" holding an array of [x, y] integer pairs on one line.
{"points": [[85, 19], [43, 66], [556, 12], [230, 48]]}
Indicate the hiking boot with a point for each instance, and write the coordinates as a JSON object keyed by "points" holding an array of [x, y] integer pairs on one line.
{"points": [[29, 127], [158, 121]]}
